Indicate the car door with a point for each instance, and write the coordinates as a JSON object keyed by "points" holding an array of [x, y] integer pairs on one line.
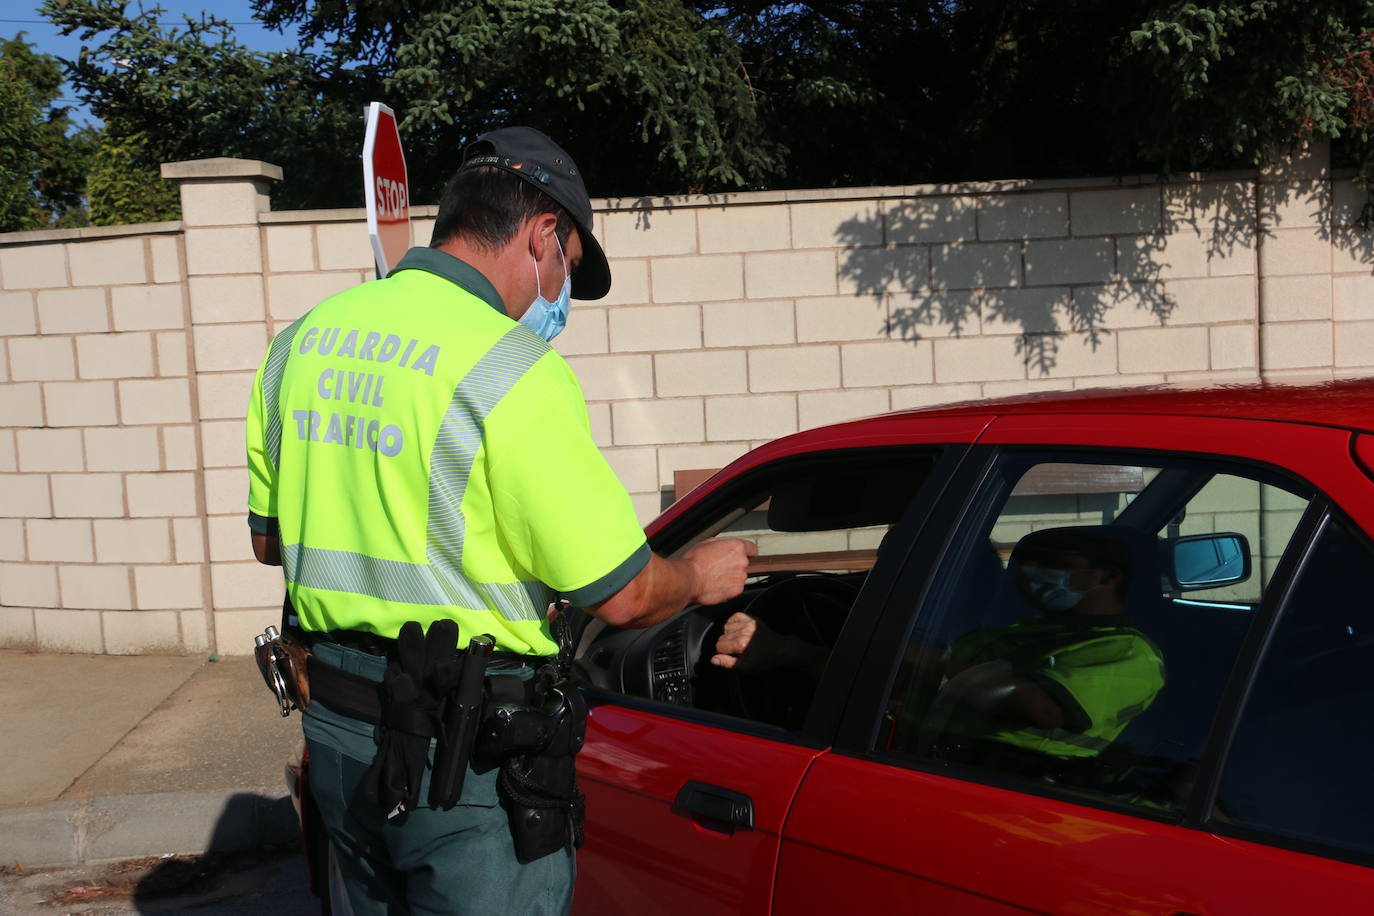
{"points": [[687, 796], [1172, 814]]}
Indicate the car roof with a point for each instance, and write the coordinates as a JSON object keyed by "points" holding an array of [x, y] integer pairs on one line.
{"points": [[1345, 403]]}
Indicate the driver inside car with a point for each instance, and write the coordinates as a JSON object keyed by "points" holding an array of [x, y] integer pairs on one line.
{"points": [[1062, 683]]}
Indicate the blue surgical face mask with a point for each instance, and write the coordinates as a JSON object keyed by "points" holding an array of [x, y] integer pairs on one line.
{"points": [[1048, 589], [547, 318]]}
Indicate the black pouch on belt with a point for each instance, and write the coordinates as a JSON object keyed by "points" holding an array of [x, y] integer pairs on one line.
{"points": [[538, 779], [410, 713]]}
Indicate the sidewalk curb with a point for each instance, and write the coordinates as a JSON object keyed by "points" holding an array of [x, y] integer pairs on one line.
{"points": [[132, 826]]}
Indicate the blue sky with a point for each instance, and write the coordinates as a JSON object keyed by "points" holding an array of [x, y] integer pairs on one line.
{"points": [[22, 15]]}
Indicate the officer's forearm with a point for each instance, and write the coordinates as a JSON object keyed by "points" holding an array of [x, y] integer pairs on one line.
{"points": [[662, 588], [709, 572]]}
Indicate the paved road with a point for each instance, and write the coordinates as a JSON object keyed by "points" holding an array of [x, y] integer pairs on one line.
{"points": [[229, 884]]}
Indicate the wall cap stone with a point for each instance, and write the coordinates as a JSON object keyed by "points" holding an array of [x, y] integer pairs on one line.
{"points": [[38, 236], [220, 168], [354, 214], [955, 189], [223, 168], [804, 195], [1309, 161]]}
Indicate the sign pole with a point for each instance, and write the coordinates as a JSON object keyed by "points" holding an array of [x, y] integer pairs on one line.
{"points": [[386, 188]]}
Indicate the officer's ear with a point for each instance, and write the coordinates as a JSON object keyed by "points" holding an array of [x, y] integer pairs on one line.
{"points": [[540, 232]]}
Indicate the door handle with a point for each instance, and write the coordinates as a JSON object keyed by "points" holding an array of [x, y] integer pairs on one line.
{"points": [[701, 799]]}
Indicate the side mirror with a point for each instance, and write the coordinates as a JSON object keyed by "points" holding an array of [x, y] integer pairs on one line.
{"points": [[1209, 560]]}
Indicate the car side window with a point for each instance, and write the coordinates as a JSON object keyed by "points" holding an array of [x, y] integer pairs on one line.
{"points": [[819, 523], [1298, 767], [819, 527], [1082, 626]]}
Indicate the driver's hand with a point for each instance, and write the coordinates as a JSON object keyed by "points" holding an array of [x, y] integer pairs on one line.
{"points": [[749, 644]]}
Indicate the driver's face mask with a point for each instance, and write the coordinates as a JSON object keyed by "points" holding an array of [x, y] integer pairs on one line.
{"points": [[543, 317], [1048, 590]]}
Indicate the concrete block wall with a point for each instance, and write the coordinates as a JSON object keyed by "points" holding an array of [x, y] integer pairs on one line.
{"points": [[128, 353], [739, 319], [101, 547]]}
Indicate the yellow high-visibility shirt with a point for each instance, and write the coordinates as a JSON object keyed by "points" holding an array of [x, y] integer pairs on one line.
{"points": [[421, 455]]}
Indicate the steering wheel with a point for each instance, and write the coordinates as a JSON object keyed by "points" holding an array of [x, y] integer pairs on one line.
{"points": [[812, 608]]}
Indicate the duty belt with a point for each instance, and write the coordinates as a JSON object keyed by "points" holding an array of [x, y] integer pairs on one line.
{"points": [[385, 646], [361, 698]]}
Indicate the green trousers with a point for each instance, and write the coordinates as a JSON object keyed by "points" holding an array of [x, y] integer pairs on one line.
{"points": [[460, 861]]}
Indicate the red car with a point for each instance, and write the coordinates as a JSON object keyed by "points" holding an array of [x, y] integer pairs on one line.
{"points": [[1210, 747]]}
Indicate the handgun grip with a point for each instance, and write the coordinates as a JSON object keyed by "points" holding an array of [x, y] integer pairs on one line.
{"points": [[469, 690]]}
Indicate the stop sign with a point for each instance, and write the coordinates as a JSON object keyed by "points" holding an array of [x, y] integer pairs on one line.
{"points": [[385, 188]]}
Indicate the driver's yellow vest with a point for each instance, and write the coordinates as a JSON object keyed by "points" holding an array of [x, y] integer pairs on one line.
{"points": [[421, 455], [1101, 676]]}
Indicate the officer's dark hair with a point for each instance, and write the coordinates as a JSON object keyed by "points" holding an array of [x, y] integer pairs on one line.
{"points": [[488, 205]]}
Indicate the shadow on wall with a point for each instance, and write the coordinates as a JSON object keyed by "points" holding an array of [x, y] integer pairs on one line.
{"points": [[1012, 261], [646, 206]]}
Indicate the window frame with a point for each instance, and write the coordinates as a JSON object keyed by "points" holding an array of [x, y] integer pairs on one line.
{"points": [[863, 716]]}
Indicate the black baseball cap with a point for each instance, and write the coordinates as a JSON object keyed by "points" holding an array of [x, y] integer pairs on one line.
{"points": [[532, 156]]}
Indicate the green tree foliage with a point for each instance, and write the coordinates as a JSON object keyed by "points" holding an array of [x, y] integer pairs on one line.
{"points": [[709, 95], [42, 159], [126, 186], [647, 94], [665, 96], [856, 93], [936, 90], [192, 91], [18, 155], [1246, 78]]}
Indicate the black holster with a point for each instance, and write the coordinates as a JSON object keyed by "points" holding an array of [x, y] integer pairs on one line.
{"points": [[538, 778], [459, 722]]}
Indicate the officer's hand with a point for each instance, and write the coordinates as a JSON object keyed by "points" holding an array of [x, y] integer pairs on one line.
{"points": [[719, 567]]}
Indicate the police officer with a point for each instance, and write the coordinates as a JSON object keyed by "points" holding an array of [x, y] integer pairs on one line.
{"points": [[418, 453]]}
